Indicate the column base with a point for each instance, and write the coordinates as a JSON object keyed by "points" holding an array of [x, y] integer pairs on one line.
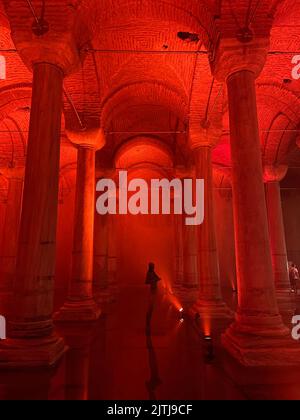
{"points": [[104, 296], [274, 347], [31, 353], [188, 294], [286, 301], [212, 309], [81, 310]]}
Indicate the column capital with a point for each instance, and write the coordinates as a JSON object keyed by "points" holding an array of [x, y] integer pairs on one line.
{"points": [[58, 51], [232, 56], [53, 36], [206, 136], [223, 181], [16, 172], [93, 138], [274, 173]]}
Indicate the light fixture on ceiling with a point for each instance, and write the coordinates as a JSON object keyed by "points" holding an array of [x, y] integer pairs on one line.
{"points": [[40, 26], [188, 37]]}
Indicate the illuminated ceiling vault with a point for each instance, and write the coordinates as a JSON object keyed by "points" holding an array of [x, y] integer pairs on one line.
{"points": [[146, 75]]}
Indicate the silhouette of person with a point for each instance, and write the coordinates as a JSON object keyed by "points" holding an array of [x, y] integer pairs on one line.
{"points": [[154, 381], [294, 277], [152, 278]]}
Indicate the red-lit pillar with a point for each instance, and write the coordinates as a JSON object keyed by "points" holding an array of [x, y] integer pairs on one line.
{"points": [[80, 304], [31, 339], [225, 231], [112, 259], [273, 176], [178, 249], [210, 303], [190, 257], [9, 246], [258, 336], [100, 258]]}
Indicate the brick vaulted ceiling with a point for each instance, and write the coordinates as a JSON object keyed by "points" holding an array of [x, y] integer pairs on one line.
{"points": [[139, 79]]}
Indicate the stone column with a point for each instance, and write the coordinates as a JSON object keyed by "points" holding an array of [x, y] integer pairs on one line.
{"points": [[272, 177], [190, 258], [9, 245], [210, 303], [80, 304], [31, 339], [50, 50], [258, 336], [225, 229], [112, 260], [100, 258], [178, 249]]}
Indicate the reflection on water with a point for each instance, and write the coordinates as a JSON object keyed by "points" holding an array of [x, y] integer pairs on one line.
{"points": [[33, 385], [153, 383], [140, 350], [77, 360]]}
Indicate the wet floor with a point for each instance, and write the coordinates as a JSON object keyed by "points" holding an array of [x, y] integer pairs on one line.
{"points": [[140, 349], [151, 353]]}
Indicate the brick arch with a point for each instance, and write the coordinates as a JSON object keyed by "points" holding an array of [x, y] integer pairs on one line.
{"points": [[279, 109], [283, 100], [14, 97], [148, 68], [143, 93], [279, 99], [141, 150], [149, 171], [276, 142], [14, 120], [15, 103], [13, 141], [186, 14]]}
